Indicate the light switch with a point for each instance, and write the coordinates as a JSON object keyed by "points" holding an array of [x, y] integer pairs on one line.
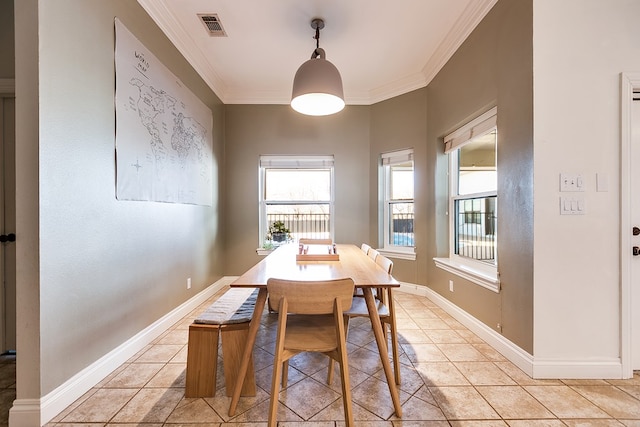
{"points": [[572, 205]]}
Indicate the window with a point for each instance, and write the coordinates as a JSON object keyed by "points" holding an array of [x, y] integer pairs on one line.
{"points": [[297, 191], [473, 199], [397, 197]]}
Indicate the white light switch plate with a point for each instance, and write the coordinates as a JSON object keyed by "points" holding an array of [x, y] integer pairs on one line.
{"points": [[572, 205], [571, 182], [602, 182]]}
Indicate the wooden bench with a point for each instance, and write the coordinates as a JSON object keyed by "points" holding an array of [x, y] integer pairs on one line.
{"points": [[228, 316]]}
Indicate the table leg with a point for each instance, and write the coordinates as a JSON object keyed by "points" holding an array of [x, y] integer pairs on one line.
{"points": [[254, 325], [382, 348]]}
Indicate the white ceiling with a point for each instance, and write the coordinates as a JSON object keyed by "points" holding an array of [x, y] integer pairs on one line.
{"points": [[381, 48]]}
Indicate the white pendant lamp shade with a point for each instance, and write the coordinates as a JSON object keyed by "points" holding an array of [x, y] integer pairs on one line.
{"points": [[317, 85], [317, 88]]}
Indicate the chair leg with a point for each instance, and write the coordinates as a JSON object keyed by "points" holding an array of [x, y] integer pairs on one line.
{"points": [[381, 295], [278, 360], [346, 391], [331, 369], [344, 372], [275, 388], [384, 332], [285, 373]]}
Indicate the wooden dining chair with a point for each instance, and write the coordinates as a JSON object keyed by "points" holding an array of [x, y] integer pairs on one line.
{"points": [[310, 319], [365, 248], [386, 312], [385, 263]]}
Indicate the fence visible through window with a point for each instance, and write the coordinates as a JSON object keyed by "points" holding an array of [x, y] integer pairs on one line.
{"points": [[476, 221], [401, 232], [304, 225], [318, 226]]}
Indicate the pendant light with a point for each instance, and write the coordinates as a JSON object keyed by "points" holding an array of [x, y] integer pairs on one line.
{"points": [[317, 86]]}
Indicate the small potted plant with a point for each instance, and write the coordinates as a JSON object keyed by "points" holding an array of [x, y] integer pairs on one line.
{"points": [[278, 232]]}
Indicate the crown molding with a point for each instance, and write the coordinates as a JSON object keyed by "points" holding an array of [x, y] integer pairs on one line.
{"points": [[393, 89], [239, 96], [397, 88], [185, 45], [474, 13], [8, 86], [464, 25], [279, 98]]}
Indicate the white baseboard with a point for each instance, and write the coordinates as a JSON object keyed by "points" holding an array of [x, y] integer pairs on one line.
{"points": [[582, 369], [538, 368], [512, 352], [37, 412], [25, 413]]}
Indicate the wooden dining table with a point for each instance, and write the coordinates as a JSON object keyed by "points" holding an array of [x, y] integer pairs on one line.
{"points": [[282, 264]]}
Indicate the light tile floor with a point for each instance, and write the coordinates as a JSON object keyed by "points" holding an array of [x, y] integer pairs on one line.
{"points": [[450, 377]]}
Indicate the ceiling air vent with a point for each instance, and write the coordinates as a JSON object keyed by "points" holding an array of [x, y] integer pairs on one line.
{"points": [[213, 24]]}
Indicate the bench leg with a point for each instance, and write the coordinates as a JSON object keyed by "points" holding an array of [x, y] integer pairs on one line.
{"points": [[202, 361], [233, 343]]}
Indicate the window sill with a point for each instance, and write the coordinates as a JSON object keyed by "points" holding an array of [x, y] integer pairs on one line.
{"points": [[485, 276], [264, 252], [398, 254]]}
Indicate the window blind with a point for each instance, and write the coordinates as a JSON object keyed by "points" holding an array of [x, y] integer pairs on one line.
{"points": [[475, 128], [396, 157], [296, 162]]}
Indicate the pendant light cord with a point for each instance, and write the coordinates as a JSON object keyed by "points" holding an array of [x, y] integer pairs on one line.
{"points": [[317, 37]]}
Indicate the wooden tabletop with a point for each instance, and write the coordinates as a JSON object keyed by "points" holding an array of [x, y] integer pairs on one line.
{"points": [[282, 264]]}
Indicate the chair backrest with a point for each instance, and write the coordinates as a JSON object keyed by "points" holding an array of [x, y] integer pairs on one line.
{"points": [[315, 241], [305, 297], [365, 248], [385, 263], [373, 254]]}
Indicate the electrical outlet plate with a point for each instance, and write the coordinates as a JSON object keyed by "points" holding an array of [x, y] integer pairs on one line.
{"points": [[571, 182]]}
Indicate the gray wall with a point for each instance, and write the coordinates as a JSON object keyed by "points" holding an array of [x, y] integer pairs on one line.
{"points": [[106, 268], [492, 67], [252, 130], [399, 123]]}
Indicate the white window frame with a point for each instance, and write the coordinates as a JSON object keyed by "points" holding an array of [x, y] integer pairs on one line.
{"points": [[292, 162], [386, 161], [478, 272]]}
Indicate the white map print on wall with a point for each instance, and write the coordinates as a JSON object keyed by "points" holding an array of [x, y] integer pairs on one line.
{"points": [[163, 131]]}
